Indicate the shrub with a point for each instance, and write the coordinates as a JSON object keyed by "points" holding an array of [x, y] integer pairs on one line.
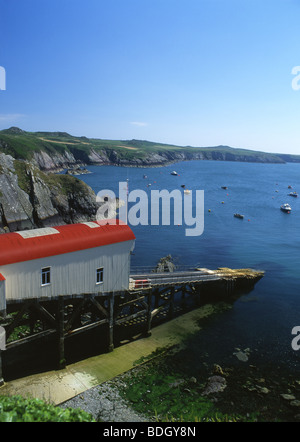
{"points": [[19, 409]]}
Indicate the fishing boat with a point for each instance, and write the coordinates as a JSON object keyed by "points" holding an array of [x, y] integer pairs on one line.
{"points": [[286, 208], [295, 194], [238, 215]]}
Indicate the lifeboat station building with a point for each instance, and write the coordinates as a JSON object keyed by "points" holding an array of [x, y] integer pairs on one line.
{"points": [[68, 260]]}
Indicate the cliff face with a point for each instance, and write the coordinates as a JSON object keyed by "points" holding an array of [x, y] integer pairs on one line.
{"points": [[153, 159], [30, 198], [53, 151]]}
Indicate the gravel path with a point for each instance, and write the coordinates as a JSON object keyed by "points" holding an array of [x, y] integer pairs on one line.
{"points": [[105, 404]]}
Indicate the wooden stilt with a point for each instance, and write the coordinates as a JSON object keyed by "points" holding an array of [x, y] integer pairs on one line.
{"points": [[111, 323], [149, 314], [1, 374], [156, 298], [60, 333], [171, 308], [32, 320], [183, 302]]}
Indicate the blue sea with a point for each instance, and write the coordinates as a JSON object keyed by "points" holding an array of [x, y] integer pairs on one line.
{"points": [[266, 239]]}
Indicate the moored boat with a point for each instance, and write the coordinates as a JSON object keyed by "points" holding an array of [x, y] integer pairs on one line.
{"points": [[286, 208]]}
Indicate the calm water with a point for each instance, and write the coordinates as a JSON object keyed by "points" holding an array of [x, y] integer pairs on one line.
{"points": [[266, 239]]}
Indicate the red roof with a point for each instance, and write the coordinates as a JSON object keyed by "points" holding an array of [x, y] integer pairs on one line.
{"points": [[2, 277], [40, 243]]}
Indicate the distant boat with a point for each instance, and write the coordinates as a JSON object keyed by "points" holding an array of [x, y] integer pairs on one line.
{"points": [[224, 187], [174, 173], [289, 187], [238, 215], [295, 194], [286, 208]]}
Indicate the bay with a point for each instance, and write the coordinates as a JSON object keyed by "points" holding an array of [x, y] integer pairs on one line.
{"points": [[266, 239]]}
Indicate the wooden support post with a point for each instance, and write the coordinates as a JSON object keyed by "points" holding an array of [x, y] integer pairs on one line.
{"points": [[31, 320], [60, 333], [183, 290], [111, 323], [1, 374], [171, 308], [156, 298], [149, 313]]}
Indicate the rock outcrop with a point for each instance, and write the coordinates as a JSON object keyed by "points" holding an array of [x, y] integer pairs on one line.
{"points": [[30, 198]]}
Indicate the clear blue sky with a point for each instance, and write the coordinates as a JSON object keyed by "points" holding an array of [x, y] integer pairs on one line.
{"points": [[187, 72]]}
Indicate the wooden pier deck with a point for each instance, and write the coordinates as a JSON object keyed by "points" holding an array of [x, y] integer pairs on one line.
{"points": [[174, 278], [107, 319]]}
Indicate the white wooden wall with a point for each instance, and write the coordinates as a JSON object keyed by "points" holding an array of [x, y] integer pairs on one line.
{"points": [[2, 297], [71, 273]]}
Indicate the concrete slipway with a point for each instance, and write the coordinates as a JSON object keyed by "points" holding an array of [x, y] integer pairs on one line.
{"points": [[59, 386]]}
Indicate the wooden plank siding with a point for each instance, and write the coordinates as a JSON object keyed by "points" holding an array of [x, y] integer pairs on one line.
{"points": [[71, 273]]}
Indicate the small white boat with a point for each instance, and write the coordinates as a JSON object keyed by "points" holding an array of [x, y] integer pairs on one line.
{"points": [[174, 173], [286, 208]]}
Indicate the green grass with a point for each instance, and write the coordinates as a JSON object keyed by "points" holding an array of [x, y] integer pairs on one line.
{"points": [[23, 145], [19, 409]]}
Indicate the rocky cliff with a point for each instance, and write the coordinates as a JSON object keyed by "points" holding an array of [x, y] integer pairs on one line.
{"points": [[53, 151], [151, 159], [30, 198]]}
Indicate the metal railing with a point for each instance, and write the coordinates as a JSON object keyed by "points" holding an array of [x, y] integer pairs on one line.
{"points": [[146, 280]]}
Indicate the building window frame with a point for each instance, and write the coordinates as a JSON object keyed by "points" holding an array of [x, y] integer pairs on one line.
{"points": [[99, 275], [45, 276]]}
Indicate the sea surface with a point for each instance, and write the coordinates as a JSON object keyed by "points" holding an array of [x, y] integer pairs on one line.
{"points": [[266, 239]]}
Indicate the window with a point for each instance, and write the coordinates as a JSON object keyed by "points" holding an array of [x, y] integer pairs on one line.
{"points": [[99, 275], [46, 273]]}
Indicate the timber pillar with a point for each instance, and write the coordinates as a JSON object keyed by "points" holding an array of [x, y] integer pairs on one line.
{"points": [[171, 306], [1, 375], [60, 333], [149, 314], [111, 323]]}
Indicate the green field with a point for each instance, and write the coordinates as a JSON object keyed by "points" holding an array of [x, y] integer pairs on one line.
{"points": [[23, 145]]}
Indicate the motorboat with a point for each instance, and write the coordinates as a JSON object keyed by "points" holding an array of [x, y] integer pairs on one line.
{"points": [[224, 187], [174, 173], [286, 208], [238, 215], [295, 194]]}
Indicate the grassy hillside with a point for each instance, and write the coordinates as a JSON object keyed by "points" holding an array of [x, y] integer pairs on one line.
{"points": [[23, 145]]}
